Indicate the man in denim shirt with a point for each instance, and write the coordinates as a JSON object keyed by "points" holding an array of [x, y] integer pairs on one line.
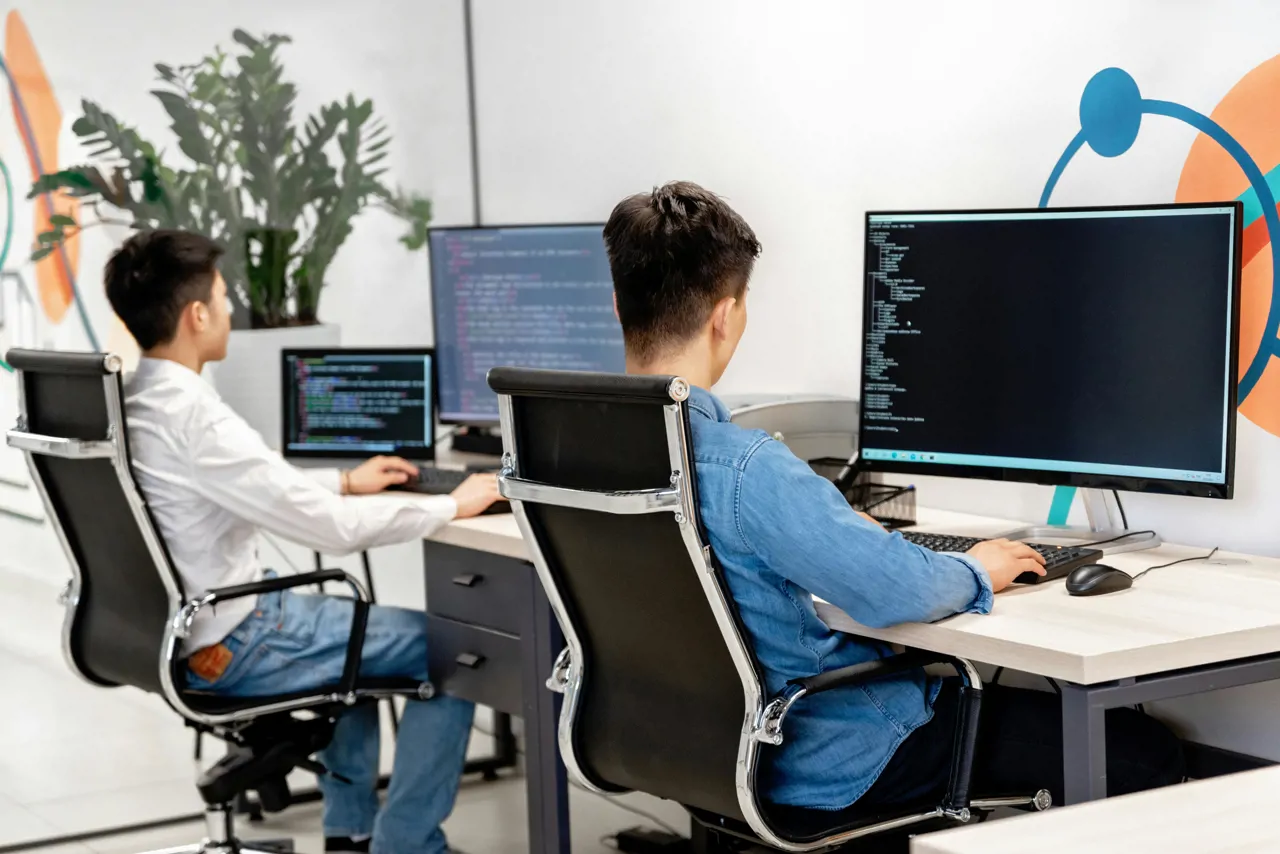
{"points": [[681, 260]]}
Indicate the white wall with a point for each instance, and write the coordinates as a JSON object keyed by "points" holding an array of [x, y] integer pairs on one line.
{"points": [[407, 56], [807, 114]]}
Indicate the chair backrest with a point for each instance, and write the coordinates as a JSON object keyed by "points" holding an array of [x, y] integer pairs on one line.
{"points": [[660, 686], [123, 591]]}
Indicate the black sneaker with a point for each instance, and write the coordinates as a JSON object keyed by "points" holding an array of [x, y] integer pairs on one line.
{"points": [[345, 845]]}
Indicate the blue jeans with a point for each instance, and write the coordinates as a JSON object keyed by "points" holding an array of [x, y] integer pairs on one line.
{"points": [[296, 642]]}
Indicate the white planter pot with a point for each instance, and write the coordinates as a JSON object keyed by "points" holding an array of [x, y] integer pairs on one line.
{"points": [[248, 380]]}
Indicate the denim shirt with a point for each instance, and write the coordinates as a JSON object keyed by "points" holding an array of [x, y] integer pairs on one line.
{"points": [[783, 535]]}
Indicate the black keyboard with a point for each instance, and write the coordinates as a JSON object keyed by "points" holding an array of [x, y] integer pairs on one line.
{"points": [[1058, 560], [434, 481]]}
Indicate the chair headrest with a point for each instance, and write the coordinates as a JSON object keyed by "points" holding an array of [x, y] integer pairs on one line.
{"points": [[66, 363], [530, 382]]}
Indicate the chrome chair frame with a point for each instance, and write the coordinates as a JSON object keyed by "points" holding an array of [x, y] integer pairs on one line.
{"points": [[224, 725], [763, 716]]}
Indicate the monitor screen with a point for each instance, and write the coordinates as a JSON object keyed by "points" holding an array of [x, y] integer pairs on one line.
{"points": [[525, 296], [358, 403], [1087, 347]]}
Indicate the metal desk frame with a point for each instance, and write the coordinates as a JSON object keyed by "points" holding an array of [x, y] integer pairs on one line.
{"points": [[1084, 727]]}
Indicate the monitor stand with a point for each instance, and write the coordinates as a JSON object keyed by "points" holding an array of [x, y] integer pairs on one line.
{"points": [[1104, 524], [478, 440]]}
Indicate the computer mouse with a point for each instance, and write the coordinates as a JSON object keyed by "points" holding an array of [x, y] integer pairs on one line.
{"points": [[1097, 578]]}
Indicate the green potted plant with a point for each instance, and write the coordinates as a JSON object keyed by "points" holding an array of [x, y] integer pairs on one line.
{"points": [[280, 193]]}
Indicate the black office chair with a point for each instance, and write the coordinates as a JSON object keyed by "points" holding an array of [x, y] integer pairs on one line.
{"points": [[126, 610], [662, 691]]}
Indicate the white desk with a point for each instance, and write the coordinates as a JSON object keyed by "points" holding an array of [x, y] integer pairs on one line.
{"points": [[1172, 618], [497, 534], [1179, 630], [1231, 813]]}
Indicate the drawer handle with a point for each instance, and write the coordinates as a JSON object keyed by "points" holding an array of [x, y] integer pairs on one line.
{"points": [[467, 580], [469, 660]]}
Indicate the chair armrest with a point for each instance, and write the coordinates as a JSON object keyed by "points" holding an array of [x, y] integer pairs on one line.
{"points": [[871, 670], [769, 729], [359, 617], [272, 585]]}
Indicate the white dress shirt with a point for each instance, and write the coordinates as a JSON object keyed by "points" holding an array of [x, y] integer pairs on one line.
{"points": [[212, 483]]}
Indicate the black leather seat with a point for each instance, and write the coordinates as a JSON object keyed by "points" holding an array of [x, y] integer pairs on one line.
{"points": [[663, 693], [127, 612]]}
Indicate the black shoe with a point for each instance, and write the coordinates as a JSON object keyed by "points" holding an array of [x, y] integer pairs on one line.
{"points": [[345, 845]]}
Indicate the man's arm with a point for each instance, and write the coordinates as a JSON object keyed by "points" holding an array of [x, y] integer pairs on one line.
{"points": [[232, 467], [329, 479], [800, 525]]}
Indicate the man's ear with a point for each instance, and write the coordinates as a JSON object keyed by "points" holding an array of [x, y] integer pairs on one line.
{"points": [[615, 307], [196, 316], [720, 317]]}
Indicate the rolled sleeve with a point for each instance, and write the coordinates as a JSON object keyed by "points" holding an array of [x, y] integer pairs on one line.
{"points": [[985, 596]]}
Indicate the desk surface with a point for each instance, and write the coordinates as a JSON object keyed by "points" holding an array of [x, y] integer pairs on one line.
{"points": [[497, 534], [1179, 616], [1232, 813]]}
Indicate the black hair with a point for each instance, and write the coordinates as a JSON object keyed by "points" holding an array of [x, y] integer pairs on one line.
{"points": [[674, 253], [155, 275]]}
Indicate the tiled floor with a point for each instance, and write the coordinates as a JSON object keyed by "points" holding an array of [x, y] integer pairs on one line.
{"points": [[76, 758]]}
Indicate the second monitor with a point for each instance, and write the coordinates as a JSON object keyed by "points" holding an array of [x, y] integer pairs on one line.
{"points": [[535, 296]]}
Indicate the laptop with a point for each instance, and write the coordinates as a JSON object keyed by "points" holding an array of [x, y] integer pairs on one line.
{"points": [[344, 405]]}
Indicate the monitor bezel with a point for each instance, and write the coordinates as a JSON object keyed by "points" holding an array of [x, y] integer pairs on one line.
{"points": [[1224, 490], [415, 454], [435, 314]]}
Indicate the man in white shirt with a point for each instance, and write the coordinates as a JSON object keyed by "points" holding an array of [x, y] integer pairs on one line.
{"points": [[213, 484]]}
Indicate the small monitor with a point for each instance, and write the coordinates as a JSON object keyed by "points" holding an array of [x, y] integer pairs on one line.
{"points": [[534, 296], [358, 403], [1092, 347]]}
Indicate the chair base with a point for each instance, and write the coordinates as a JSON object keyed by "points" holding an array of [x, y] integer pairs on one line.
{"points": [[220, 837], [253, 846]]}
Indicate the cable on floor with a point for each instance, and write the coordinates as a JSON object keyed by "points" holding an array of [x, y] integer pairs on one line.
{"points": [[647, 816]]}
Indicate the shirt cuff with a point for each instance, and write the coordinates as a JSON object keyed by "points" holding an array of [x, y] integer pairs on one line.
{"points": [[446, 501], [985, 597]]}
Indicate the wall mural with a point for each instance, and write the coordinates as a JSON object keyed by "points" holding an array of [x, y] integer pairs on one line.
{"points": [[1223, 164], [38, 120]]}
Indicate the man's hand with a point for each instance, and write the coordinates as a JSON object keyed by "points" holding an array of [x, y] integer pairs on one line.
{"points": [[476, 494], [375, 475], [1005, 560], [869, 518]]}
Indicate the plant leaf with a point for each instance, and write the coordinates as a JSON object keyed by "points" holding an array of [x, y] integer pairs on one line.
{"points": [[62, 220], [67, 179]]}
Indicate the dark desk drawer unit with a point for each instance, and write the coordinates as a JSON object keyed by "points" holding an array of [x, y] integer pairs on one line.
{"points": [[492, 639], [478, 664], [479, 588]]}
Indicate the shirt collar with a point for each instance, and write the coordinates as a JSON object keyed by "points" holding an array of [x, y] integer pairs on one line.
{"points": [[155, 369], [707, 404]]}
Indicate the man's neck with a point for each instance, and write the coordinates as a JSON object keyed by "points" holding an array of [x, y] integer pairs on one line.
{"points": [[692, 369], [173, 352]]}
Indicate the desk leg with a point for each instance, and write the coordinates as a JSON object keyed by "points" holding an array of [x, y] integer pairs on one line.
{"points": [[1084, 746], [545, 778]]}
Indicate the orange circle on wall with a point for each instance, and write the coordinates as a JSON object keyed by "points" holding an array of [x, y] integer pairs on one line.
{"points": [[1248, 113], [36, 108]]}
